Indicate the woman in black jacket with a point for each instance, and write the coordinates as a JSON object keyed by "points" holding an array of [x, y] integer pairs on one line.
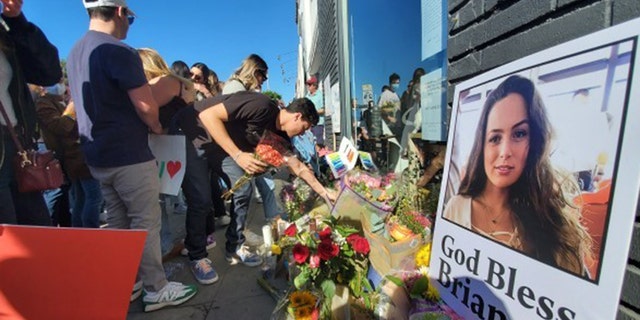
{"points": [[26, 57]]}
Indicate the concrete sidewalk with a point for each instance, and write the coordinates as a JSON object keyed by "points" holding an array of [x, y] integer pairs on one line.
{"points": [[236, 295]]}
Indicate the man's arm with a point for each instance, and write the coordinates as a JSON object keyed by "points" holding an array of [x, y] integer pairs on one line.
{"points": [[213, 120], [301, 170], [37, 56], [146, 107]]}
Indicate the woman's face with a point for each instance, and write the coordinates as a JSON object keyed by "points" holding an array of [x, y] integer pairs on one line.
{"points": [[506, 143], [261, 76], [196, 75]]}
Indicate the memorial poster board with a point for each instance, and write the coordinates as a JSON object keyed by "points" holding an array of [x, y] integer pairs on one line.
{"points": [[541, 182]]}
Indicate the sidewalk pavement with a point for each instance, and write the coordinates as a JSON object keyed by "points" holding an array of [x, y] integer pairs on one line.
{"points": [[236, 295]]}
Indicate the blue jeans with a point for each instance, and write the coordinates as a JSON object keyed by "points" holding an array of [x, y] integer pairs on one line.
{"points": [[196, 187], [87, 199], [26, 208], [265, 186], [241, 199], [59, 205]]}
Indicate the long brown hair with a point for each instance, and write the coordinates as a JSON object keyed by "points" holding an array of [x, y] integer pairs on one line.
{"points": [[550, 228]]}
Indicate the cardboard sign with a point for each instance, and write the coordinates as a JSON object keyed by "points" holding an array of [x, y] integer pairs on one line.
{"points": [[559, 126], [67, 273], [170, 153]]}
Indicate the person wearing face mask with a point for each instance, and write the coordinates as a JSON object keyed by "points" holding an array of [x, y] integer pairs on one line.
{"points": [[59, 131], [389, 102]]}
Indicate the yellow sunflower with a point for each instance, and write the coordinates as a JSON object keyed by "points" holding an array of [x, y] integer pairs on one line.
{"points": [[301, 298], [303, 313]]}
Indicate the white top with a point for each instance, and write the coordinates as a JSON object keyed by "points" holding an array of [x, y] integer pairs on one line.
{"points": [[458, 210], [6, 73]]}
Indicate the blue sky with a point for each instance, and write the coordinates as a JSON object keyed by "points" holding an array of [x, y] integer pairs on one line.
{"points": [[218, 33]]}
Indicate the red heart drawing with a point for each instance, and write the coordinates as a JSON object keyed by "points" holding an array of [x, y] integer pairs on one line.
{"points": [[173, 167]]}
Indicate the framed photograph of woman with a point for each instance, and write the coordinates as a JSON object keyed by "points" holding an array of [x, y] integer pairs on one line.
{"points": [[536, 172]]}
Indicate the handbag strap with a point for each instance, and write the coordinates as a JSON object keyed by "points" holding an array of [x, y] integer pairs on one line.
{"points": [[14, 136]]}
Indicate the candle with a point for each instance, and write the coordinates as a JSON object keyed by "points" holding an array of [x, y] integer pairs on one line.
{"points": [[266, 235]]}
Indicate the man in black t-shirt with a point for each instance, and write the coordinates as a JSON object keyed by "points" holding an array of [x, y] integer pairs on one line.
{"points": [[236, 123]]}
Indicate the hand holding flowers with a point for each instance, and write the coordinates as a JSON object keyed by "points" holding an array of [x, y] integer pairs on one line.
{"points": [[271, 152]]}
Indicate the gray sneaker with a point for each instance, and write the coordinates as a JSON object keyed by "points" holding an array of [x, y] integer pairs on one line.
{"points": [[244, 255]]}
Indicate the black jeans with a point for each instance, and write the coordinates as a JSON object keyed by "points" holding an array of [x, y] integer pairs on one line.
{"points": [[196, 187]]}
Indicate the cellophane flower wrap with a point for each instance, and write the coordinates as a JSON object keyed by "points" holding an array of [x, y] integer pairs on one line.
{"points": [[326, 254], [272, 150], [421, 290], [298, 198]]}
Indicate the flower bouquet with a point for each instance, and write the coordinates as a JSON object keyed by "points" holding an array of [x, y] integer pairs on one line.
{"points": [[298, 198], [424, 299], [325, 254], [272, 150], [378, 190]]}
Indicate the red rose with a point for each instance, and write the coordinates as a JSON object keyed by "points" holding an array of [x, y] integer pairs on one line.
{"points": [[300, 253], [359, 244], [327, 249], [291, 230], [325, 234]]}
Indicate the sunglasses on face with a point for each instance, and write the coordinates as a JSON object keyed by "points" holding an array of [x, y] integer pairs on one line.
{"points": [[263, 74], [196, 77], [130, 18]]}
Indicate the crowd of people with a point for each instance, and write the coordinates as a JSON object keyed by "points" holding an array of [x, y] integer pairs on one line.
{"points": [[97, 118]]}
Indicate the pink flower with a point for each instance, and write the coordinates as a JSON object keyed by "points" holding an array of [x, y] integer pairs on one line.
{"points": [[314, 261], [300, 253]]}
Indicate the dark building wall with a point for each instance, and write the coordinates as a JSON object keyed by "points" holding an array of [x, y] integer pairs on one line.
{"points": [[484, 34], [328, 50]]}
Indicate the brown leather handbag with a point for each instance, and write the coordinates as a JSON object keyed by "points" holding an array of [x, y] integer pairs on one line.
{"points": [[34, 170]]}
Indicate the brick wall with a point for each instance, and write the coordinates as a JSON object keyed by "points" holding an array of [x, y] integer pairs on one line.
{"points": [[484, 34]]}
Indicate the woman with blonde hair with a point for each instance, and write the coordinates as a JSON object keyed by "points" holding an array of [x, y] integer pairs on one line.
{"points": [[511, 193], [172, 92], [250, 76]]}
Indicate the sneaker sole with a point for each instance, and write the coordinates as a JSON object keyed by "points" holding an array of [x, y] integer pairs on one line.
{"points": [[207, 281], [136, 294], [156, 306]]}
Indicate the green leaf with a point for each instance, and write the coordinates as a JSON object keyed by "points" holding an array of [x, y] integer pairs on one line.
{"points": [[397, 281], [421, 285], [328, 288], [301, 279]]}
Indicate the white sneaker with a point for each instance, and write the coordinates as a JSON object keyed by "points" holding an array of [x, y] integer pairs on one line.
{"points": [[244, 255], [173, 294], [137, 291]]}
